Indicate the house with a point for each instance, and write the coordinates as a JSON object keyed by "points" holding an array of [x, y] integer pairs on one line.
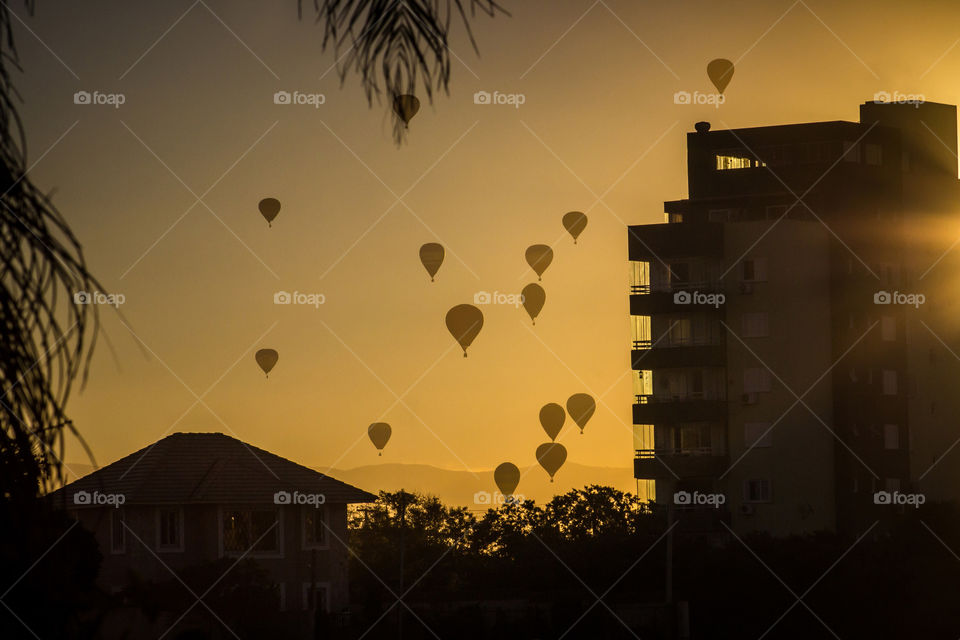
{"points": [[194, 498], [787, 374]]}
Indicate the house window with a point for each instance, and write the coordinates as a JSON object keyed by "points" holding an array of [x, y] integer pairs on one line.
{"points": [[755, 270], [318, 597], [889, 382], [118, 533], [891, 436], [757, 490], [873, 154], [756, 380], [888, 328], [251, 530], [314, 525], [755, 325], [170, 529], [758, 434]]}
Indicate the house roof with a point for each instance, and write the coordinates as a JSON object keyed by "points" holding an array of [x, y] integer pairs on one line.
{"points": [[206, 468]]}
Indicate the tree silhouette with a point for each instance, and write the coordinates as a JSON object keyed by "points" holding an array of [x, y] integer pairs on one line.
{"points": [[46, 337], [396, 46]]}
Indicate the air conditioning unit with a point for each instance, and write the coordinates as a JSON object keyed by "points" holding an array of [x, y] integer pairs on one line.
{"points": [[747, 510], [750, 398], [746, 287]]}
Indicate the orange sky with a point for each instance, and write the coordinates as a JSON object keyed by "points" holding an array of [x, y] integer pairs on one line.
{"points": [[598, 132]]}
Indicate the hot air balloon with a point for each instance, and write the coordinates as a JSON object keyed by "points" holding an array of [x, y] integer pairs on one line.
{"points": [[406, 106], [533, 298], [267, 359], [581, 406], [379, 433], [720, 72], [552, 417], [551, 456], [539, 257], [575, 222], [464, 322], [507, 477], [431, 255], [269, 208]]}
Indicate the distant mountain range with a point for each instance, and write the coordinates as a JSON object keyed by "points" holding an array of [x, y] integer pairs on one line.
{"points": [[461, 488]]}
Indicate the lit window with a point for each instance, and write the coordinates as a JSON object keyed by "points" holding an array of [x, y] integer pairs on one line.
{"points": [[725, 162], [246, 529]]}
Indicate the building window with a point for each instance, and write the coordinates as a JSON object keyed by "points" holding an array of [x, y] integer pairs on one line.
{"points": [[758, 434], [755, 325], [754, 270], [756, 380], [727, 160], [170, 529], [679, 273], [118, 532], [891, 484], [318, 597], [889, 382], [253, 530], [888, 328], [873, 154], [757, 490], [891, 436], [680, 332], [851, 152], [314, 528]]}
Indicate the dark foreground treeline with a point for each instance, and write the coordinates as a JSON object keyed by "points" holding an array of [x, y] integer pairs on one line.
{"points": [[527, 571]]}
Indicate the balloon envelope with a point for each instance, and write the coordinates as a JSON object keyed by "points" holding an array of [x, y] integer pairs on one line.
{"points": [[507, 477], [551, 456], [406, 106], [431, 255], [379, 433], [464, 322], [267, 358], [552, 417], [533, 298], [539, 257], [575, 222], [269, 208], [720, 72], [581, 406]]}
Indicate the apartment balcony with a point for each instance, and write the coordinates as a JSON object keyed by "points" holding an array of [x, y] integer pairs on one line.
{"points": [[675, 240], [650, 409], [646, 355], [673, 463], [678, 298]]}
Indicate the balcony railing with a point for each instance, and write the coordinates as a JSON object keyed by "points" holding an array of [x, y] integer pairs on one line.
{"points": [[666, 343], [676, 451], [649, 398], [706, 286]]}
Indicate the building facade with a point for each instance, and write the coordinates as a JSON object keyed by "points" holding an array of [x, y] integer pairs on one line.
{"points": [[792, 329]]}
